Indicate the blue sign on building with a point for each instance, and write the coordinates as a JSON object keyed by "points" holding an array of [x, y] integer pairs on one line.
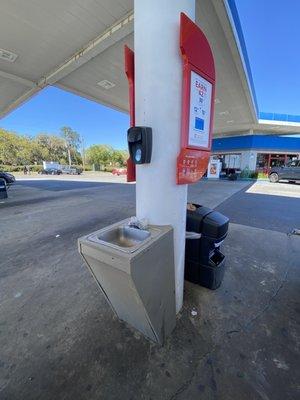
{"points": [[256, 152], [257, 142]]}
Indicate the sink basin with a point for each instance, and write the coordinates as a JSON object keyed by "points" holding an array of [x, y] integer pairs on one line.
{"points": [[123, 238]]}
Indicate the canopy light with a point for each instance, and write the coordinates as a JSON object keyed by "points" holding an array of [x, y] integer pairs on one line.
{"points": [[8, 55], [106, 84]]}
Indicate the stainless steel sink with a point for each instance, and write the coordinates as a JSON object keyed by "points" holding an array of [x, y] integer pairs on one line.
{"points": [[123, 238], [134, 268]]}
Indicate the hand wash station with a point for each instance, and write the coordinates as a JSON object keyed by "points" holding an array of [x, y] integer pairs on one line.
{"points": [[134, 268]]}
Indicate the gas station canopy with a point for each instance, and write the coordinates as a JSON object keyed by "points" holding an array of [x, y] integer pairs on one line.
{"points": [[79, 47]]}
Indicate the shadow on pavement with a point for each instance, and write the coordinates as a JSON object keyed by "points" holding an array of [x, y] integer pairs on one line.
{"points": [[55, 185], [50, 190]]}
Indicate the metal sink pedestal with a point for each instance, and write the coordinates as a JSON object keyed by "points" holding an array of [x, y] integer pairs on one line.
{"points": [[135, 271]]}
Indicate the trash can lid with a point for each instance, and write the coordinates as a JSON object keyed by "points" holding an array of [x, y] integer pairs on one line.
{"points": [[210, 223], [215, 225], [195, 217]]}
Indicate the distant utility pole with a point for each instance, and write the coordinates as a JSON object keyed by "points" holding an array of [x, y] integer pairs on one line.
{"points": [[68, 152], [82, 153]]}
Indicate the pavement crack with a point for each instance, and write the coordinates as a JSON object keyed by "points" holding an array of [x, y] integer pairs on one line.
{"points": [[269, 303], [189, 381], [233, 331]]}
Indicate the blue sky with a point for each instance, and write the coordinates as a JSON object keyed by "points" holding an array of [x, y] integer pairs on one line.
{"points": [[53, 108], [271, 30]]}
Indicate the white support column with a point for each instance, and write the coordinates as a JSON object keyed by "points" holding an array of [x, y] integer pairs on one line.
{"points": [[158, 80]]}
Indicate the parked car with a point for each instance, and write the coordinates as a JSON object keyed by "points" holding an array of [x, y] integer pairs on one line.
{"points": [[9, 178], [71, 170], [290, 171], [51, 171], [119, 171]]}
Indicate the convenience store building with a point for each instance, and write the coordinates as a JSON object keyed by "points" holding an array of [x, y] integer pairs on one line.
{"points": [[256, 151]]}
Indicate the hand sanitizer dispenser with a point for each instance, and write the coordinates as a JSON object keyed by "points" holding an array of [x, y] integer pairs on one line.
{"points": [[140, 144]]}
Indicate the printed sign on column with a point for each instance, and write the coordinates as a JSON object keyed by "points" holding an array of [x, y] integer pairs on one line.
{"points": [[200, 106]]}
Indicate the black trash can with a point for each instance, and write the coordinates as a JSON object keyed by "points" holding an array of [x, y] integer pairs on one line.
{"points": [[204, 262], [3, 189]]}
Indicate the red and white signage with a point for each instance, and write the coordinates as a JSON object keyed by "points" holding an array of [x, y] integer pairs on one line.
{"points": [[198, 92]]}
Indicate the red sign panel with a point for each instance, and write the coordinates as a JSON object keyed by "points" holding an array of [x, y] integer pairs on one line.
{"points": [[198, 92], [129, 70]]}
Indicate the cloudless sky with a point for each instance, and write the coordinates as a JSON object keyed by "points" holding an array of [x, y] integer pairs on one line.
{"points": [[53, 108], [271, 30]]}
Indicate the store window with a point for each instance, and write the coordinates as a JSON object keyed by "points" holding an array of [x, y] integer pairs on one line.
{"points": [[230, 161], [265, 162], [262, 161]]}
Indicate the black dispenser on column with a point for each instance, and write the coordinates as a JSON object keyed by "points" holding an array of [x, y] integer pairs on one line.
{"points": [[140, 144]]}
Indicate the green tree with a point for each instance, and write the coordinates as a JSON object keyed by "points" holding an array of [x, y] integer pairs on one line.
{"points": [[8, 147], [72, 141], [50, 148], [14, 149], [77, 157], [99, 154], [119, 157]]}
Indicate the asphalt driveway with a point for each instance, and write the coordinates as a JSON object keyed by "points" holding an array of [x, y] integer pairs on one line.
{"points": [[60, 340]]}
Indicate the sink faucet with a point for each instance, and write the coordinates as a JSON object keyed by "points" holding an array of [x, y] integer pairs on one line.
{"points": [[138, 223]]}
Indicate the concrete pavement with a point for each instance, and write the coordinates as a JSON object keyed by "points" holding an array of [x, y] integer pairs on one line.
{"points": [[276, 189], [59, 339]]}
